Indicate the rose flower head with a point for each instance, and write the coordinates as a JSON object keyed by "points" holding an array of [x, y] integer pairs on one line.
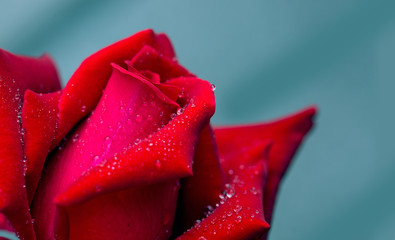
{"points": [[126, 151]]}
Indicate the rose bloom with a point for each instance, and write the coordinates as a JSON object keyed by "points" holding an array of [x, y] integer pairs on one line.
{"points": [[126, 151]]}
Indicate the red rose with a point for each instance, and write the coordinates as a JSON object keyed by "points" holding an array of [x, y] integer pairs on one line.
{"points": [[129, 152]]}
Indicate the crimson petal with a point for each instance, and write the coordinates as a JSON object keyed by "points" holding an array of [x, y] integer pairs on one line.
{"points": [[286, 134], [17, 74], [202, 189], [167, 153], [164, 46], [115, 172], [135, 213], [239, 214], [85, 87], [39, 122]]}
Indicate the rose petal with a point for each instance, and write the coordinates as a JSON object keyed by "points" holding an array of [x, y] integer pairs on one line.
{"points": [[39, 121], [239, 215], [136, 213], [17, 74], [167, 153], [150, 59], [287, 134], [85, 87], [201, 189], [74, 185], [36, 74], [121, 117], [164, 46]]}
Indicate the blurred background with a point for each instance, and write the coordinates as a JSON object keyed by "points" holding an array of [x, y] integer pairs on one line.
{"points": [[268, 59]]}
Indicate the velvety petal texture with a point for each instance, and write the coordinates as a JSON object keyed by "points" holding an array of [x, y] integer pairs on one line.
{"points": [[18, 74], [239, 211], [286, 133], [199, 193], [126, 151], [142, 133], [39, 120]]}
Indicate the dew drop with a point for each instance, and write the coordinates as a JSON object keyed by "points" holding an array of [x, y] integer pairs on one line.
{"points": [[253, 191], [122, 109], [237, 208], [75, 137], [96, 160], [139, 118], [130, 110], [180, 111], [107, 142], [158, 163], [83, 108], [238, 219], [230, 192]]}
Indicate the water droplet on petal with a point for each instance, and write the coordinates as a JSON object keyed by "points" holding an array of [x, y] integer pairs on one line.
{"points": [[253, 191], [237, 208], [213, 87], [230, 192], [83, 108], [180, 111], [139, 118], [96, 160], [238, 219], [75, 137], [158, 163], [130, 110], [107, 142]]}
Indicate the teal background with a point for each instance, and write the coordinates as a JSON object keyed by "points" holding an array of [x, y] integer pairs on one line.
{"points": [[267, 58]]}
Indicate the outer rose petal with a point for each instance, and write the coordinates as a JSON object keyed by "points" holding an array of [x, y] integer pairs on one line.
{"points": [[36, 74], [287, 134], [239, 215], [39, 121], [17, 74], [203, 188]]}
